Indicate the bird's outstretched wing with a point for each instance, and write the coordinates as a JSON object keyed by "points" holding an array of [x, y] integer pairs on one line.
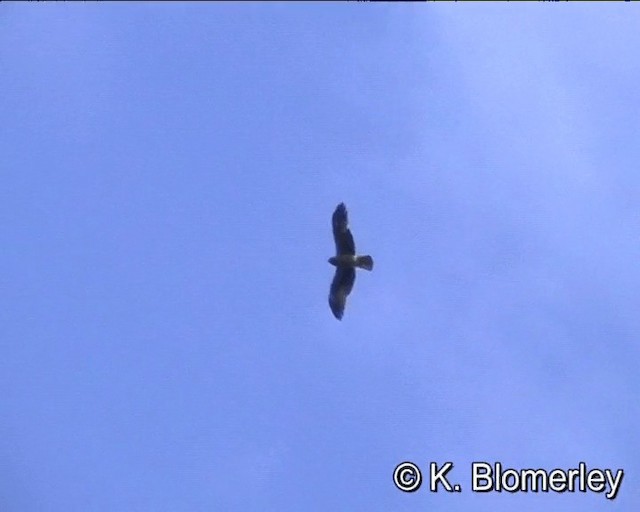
{"points": [[341, 287], [341, 233]]}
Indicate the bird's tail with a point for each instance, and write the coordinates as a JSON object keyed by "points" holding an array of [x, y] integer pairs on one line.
{"points": [[365, 262]]}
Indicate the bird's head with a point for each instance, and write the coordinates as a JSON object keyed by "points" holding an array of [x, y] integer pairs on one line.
{"points": [[333, 261]]}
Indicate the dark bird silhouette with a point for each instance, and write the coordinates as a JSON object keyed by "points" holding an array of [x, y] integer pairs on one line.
{"points": [[345, 262]]}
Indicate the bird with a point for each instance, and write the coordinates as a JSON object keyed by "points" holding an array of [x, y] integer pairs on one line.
{"points": [[346, 261]]}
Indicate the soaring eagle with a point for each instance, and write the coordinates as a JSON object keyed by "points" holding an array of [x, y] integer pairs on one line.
{"points": [[345, 262]]}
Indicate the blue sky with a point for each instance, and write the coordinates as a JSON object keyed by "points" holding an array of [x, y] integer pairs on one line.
{"points": [[169, 173]]}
